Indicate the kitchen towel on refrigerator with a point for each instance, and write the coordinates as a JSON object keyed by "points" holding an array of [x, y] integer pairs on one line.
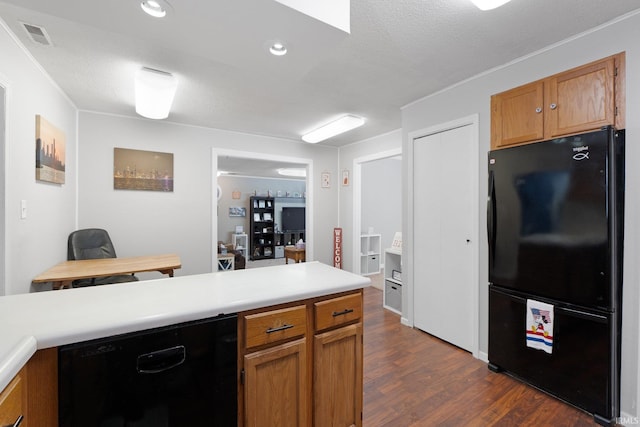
{"points": [[539, 325]]}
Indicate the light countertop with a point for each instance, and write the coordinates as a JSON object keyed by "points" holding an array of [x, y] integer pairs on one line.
{"points": [[29, 322]]}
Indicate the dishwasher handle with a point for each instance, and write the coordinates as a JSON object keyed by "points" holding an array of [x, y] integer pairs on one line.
{"points": [[161, 360]]}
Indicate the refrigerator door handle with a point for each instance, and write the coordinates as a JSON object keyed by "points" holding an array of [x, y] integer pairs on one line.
{"points": [[491, 218]]}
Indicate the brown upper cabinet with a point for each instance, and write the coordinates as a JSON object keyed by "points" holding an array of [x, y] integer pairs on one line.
{"points": [[578, 100]]}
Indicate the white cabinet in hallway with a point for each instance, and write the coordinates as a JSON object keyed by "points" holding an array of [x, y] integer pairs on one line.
{"points": [[370, 249]]}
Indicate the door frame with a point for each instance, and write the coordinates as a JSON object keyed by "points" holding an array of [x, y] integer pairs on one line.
{"points": [[357, 200], [216, 152], [408, 228], [4, 123]]}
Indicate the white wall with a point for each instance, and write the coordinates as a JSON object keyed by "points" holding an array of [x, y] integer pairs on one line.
{"points": [[39, 241], [473, 97], [382, 198], [368, 149], [150, 222]]}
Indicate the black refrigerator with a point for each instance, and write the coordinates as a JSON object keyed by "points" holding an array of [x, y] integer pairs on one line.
{"points": [[555, 233]]}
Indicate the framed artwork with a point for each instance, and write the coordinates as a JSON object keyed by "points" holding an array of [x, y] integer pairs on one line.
{"points": [[142, 170], [345, 177], [50, 152], [325, 180], [237, 211]]}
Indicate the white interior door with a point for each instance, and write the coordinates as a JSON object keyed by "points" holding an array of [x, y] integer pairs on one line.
{"points": [[443, 227]]}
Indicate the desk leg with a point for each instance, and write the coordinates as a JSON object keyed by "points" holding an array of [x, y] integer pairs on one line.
{"points": [[61, 284], [168, 271]]}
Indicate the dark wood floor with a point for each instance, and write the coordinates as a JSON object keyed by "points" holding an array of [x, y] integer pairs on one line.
{"points": [[414, 379]]}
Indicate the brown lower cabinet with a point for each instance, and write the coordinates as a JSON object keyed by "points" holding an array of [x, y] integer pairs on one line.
{"points": [[300, 364], [33, 393], [337, 388], [13, 400]]}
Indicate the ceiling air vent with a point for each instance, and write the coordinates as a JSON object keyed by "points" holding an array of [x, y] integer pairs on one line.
{"points": [[37, 34]]}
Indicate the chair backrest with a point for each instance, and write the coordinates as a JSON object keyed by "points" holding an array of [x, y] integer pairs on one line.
{"points": [[90, 243]]}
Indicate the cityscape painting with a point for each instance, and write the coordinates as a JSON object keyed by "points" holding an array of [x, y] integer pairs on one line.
{"points": [[142, 170], [50, 152]]}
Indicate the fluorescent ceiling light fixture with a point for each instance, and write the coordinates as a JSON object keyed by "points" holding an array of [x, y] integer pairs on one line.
{"points": [[278, 49], [343, 124], [489, 4], [154, 93], [155, 8], [297, 172]]}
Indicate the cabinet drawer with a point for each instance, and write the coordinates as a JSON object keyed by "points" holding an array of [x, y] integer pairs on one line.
{"points": [[338, 311], [12, 403], [274, 326]]}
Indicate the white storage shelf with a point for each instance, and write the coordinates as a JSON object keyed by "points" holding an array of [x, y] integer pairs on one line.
{"points": [[240, 243], [392, 295], [370, 248]]}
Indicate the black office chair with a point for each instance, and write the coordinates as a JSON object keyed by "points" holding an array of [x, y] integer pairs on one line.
{"points": [[94, 243]]}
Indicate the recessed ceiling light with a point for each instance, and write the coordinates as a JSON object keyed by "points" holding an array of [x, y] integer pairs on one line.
{"points": [[155, 8], [278, 49]]}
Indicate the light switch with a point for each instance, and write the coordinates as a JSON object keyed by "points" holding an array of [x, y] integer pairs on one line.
{"points": [[23, 209]]}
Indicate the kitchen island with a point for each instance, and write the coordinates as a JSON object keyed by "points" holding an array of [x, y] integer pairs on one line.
{"points": [[46, 320]]}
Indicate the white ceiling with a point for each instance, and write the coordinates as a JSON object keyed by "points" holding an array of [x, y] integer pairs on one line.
{"points": [[398, 51]]}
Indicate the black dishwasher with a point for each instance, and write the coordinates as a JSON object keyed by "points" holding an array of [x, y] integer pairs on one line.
{"points": [[179, 375]]}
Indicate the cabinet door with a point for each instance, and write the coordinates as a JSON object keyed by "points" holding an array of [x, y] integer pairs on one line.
{"points": [[337, 389], [276, 386], [581, 99], [13, 400], [517, 115]]}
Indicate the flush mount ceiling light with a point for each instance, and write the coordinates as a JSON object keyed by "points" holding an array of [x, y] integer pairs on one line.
{"points": [[343, 124], [278, 49], [297, 172], [155, 8], [154, 93], [489, 4]]}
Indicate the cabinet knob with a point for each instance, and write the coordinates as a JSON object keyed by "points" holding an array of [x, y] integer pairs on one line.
{"points": [[538, 110], [553, 106]]}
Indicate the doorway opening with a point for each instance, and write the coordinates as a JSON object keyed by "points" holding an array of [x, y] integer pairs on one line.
{"points": [[3, 128], [237, 176], [366, 195]]}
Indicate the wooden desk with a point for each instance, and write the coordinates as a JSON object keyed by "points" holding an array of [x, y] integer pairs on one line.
{"points": [[226, 262], [63, 274], [295, 254]]}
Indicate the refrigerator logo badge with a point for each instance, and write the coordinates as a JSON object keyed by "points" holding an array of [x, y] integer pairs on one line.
{"points": [[581, 153]]}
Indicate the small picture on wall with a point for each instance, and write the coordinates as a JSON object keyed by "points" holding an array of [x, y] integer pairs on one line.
{"points": [[142, 170], [237, 211], [50, 152]]}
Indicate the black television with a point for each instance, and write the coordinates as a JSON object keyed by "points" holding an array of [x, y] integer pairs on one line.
{"points": [[293, 219]]}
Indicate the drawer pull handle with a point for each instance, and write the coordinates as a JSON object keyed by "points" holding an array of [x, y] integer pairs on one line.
{"points": [[17, 423], [343, 312], [279, 328]]}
